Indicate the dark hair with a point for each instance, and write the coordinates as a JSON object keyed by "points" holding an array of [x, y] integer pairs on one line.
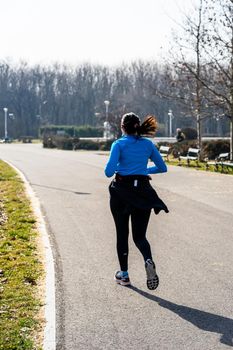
{"points": [[132, 124]]}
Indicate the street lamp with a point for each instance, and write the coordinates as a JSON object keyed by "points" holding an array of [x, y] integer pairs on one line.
{"points": [[106, 123], [106, 106], [171, 116], [5, 111]]}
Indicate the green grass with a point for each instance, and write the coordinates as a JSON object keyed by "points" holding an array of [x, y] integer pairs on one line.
{"points": [[200, 166], [20, 266]]}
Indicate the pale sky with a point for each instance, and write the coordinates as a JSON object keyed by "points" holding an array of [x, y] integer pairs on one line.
{"points": [[96, 31]]}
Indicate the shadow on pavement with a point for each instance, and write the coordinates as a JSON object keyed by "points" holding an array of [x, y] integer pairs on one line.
{"points": [[201, 319], [60, 189]]}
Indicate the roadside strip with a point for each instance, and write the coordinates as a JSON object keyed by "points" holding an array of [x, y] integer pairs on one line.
{"points": [[50, 329]]}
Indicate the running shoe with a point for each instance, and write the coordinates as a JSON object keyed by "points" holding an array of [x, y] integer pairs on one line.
{"points": [[122, 279], [152, 277]]}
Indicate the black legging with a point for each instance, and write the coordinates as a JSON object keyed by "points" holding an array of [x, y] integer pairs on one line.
{"points": [[139, 220]]}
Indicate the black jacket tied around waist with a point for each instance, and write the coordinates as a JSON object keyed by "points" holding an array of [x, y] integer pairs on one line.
{"points": [[137, 191]]}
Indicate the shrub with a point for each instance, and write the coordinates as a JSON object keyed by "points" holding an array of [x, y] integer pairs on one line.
{"points": [[87, 145], [88, 131], [94, 145], [60, 142], [105, 145], [74, 143], [48, 142], [63, 142], [190, 133], [181, 148], [211, 149], [71, 130]]}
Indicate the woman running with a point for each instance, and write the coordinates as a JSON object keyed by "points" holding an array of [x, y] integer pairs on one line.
{"points": [[131, 194]]}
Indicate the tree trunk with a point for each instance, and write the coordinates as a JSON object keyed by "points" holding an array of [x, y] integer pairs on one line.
{"points": [[199, 131], [198, 71], [231, 138]]}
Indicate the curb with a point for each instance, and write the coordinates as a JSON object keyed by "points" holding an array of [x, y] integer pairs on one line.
{"points": [[49, 342]]}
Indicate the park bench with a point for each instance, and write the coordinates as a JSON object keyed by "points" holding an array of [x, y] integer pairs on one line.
{"points": [[192, 155], [164, 151], [221, 161]]}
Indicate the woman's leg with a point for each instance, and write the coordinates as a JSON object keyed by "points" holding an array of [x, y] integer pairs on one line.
{"points": [[121, 218], [140, 219]]}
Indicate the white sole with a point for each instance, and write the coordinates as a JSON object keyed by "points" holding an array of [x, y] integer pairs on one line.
{"points": [[122, 283]]}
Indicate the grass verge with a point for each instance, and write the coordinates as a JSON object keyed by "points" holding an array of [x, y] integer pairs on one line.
{"points": [[20, 266], [200, 166]]}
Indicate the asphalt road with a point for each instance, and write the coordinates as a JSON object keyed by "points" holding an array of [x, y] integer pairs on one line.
{"points": [[192, 246]]}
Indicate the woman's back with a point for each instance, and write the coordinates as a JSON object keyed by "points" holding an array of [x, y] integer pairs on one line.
{"points": [[130, 154]]}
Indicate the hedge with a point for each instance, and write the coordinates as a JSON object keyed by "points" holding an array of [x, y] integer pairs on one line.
{"points": [[210, 149], [74, 143], [72, 131]]}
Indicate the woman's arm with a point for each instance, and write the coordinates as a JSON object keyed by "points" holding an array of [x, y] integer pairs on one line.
{"points": [[113, 160], [160, 166]]}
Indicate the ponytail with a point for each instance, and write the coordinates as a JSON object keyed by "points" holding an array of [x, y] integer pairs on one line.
{"points": [[148, 127], [132, 125]]}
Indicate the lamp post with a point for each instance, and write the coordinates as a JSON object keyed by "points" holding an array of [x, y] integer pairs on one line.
{"points": [[5, 111], [106, 123], [106, 106], [170, 115]]}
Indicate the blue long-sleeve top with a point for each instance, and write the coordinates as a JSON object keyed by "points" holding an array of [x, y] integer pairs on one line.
{"points": [[130, 154]]}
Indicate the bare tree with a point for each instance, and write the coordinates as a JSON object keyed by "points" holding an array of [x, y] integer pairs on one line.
{"points": [[213, 35], [218, 45], [187, 63]]}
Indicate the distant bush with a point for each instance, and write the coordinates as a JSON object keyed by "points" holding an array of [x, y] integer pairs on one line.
{"points": [[88, 131], [63, 142], [60, 142], [87, 145], [211, 149], [105, 145], [94, 145], [72, 131], [190, 133], [73, 143], [48, 142], [179, 148]]}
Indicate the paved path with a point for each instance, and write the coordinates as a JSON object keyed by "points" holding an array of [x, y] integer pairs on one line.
{"points": [[192, 245]]}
